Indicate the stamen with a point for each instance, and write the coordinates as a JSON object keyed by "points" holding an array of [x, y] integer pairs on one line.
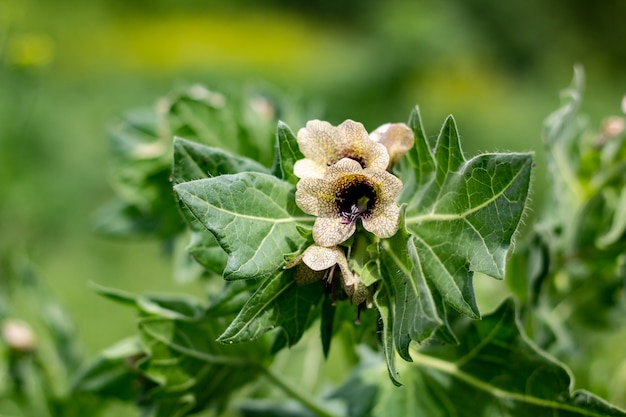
{"points": [[356, 198]]}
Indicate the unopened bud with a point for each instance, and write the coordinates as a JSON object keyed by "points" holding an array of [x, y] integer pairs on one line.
{"points": [[613, 126], [18, 335]]}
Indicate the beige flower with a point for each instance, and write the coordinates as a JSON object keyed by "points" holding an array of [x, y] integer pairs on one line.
{"points": [[323, 144], [398, 138], [317, 262], [346, 193]]}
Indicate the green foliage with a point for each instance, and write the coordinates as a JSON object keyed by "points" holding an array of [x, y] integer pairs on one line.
{"points": [[253, 216], [142, 144], [570, 273], [181, 368], [202, 169], [480, 202], [493, 370]]}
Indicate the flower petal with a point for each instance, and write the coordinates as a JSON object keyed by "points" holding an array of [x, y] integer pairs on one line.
{"points": [[388, 186], [319, 258], [383, 221], [308, 168], [316, 196], [323, 145], [331, 231], [319, 141], [359, 146], [343, 166]]}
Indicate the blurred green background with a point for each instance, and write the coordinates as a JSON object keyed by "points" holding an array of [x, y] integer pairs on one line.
{"points": [[68, 69]]}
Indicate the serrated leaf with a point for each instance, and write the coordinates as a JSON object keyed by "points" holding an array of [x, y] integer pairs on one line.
{"points": [[415, 314], [112, 373], [384, 305], [193, 161], [169, 306], [495, 370], [287, 153], [278, 302], [253, 216], [232, 297], [420, 170], [205, 249], [464, 217], [202, 115], [121, 219], [192, 370]]}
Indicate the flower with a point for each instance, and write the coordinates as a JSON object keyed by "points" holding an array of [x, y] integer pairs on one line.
{"points": [[317, 262], [323, 145], [398, 138], [348, 192]]}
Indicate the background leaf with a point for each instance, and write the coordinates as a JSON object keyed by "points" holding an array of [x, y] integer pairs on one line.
{"points": [[194, 161], [241, 121], [253, 216], [114, 373], [192, 370], [495, 370], [571, 270], [181, 368]]}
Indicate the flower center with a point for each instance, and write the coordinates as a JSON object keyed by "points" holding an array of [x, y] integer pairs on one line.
{"points": [[356, 198]]}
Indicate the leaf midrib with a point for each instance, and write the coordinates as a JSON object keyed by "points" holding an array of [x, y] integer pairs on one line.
{"points": [[257, 314], [455, 216], [290, 219], [454, 371]]}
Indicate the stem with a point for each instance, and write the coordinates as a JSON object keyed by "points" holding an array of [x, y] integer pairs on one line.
{"points": [[300, 397]]}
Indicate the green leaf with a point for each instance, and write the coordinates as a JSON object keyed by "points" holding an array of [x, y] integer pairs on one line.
{"points": [[192, 370], [421, 169], [112, 373], [193, 161], [169, 306], [253, 216], [495, 370], [463, 217], [327, 324], [232, 297], [617, 230], [121, 219], [414, 310], [287, 153], [205, 249], [384, 305], [136, 132], [279, 302]]}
